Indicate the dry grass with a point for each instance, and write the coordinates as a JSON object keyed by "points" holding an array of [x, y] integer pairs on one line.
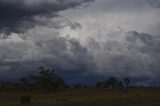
{"points": [[85, 97]]}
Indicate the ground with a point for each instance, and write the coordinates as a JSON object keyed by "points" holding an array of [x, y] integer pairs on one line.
{"points": [[85, 97]]}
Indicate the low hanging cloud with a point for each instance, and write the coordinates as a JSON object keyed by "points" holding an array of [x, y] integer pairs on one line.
{"points": [[19, 15], [23, 56], [120, 52]]}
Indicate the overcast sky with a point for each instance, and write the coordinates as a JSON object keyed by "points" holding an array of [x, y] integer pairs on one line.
{"points": [[84, 40]]}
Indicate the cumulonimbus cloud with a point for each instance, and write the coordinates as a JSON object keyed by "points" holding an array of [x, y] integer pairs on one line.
{"points": [[120, 53], [18, 15], [82, 50]]}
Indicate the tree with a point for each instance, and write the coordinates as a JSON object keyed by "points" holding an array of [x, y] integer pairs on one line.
{"points": [[100, 85], [47, 79], [23, 81], [127, 81], [79, 85], [27, 82], [120, 85], [1, 85], [112, 82]]}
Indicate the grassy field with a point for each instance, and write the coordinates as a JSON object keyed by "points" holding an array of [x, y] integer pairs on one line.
{"points": [[85, 97]]}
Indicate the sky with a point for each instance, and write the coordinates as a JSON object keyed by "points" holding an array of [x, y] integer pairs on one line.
{"points": [[84, 40]]}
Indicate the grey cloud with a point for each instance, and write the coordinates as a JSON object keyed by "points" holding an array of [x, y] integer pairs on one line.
{"points": [[154, 3], [119, 5], [144, 37], [73, 25], [23, 57], [67, 54], [18, 15], [136, 55]]}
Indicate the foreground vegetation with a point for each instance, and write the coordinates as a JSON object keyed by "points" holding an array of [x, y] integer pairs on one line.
{"points": [[84, 97]]}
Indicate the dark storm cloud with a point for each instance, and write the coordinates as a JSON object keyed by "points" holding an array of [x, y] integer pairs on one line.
{"points": [[17, 15], [154, 3]]}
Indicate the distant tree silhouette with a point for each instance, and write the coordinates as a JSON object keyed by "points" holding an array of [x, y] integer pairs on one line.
{"points": [[85, 86], [99, 85], [6, 86], [112, 82], [27, 82], [79, 85], [23, 81], [47, 79], [1, 85], [120, 85], [127, 81]]}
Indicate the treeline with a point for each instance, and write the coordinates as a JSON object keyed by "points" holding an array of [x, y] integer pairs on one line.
{"points": [[114, 83], [46, 79]]}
